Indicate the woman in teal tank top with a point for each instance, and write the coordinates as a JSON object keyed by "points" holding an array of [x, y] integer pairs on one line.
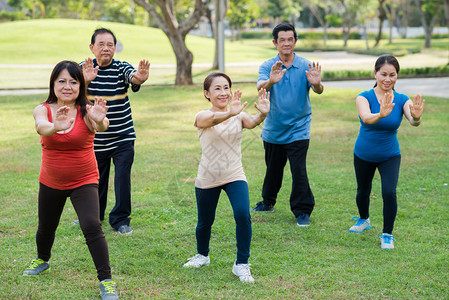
{"points": [[380, 112]]}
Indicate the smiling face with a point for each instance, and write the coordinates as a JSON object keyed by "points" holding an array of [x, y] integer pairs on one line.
{"points": [[219, 93], [386, 77], [285, 43], [103, 48], [66, 88]]}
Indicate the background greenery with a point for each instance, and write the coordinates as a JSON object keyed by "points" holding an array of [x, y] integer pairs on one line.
{"points": [[323, 261], [43, 43]]}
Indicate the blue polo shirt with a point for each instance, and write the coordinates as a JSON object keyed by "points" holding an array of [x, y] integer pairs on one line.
{"points": [[378, 142], [290, 109]]}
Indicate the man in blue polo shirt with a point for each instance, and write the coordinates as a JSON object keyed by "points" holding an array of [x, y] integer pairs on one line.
{"points": [[286, 131]]}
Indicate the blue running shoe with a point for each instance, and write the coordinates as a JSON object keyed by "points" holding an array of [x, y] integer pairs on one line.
{"points": [[261, 206], [386, 241], [303, 220], [360, 226]]}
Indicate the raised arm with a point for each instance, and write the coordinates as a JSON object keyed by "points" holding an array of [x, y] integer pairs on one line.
{"points": [[413, 110], [263, 107], [276, 75], [210, 118], [89, 72], [95, 118], [142, 73], [61, 121], [386, 106], [314, 77]]}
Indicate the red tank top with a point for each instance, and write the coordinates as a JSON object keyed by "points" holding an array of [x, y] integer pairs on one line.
{"points": [[68, 159]]}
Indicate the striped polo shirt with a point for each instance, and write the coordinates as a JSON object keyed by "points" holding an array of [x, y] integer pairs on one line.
{"points": [[112, 83]]}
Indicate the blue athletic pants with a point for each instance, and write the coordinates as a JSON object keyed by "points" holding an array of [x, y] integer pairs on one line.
{"points": [[207, 200]]}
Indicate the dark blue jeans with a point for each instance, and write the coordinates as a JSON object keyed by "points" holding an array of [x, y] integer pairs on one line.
{"points": [[389, 175], [207, 200], [301, 197], [123, 158]]}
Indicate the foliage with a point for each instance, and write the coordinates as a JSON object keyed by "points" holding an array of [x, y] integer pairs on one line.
{"points": [[323, 261], [405, 72]]}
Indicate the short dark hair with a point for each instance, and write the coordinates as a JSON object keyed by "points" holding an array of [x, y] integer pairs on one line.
{"points": [[386, 59], [101, 31], [284, 26], [76, 72], [208, 80]]}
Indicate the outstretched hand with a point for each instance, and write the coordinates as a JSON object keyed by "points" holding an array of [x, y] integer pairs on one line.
{"points": [[62, 121], [235, 105], [142, 73], [264, 102], [417, 108], [97, 112], [277, 73], [89, 72], [314, 73], [386, 105]]}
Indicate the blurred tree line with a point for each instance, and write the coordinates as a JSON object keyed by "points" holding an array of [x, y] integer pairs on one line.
{"points": [[177, 18]]}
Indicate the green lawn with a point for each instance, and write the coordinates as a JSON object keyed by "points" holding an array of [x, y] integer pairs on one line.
{"points": [[323, 261]]}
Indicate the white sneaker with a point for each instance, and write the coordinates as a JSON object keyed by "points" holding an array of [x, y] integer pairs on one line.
{"points": [[197, 261], [386, 241], [360, 226], [242, 271]]}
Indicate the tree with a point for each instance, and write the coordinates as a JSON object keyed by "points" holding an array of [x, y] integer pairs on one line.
{"points": [[164, 13], [240, 12], [391, 8], [350, 8], [430, 11], [321, 10], [382, 15]]}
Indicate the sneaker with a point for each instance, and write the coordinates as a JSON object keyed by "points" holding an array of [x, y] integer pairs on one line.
{"points": [[76, 222], [108, 290], [303, 220], [360, 226], [386, 241], [125, 230], [243, 273], [261, 206], [197, 261], [37, 266]]}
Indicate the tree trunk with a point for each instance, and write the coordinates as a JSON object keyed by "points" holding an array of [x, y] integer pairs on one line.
{"points": [[176, 33], [382, 16]]}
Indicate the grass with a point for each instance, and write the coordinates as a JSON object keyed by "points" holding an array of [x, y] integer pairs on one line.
{"points": [[48, 41], [323, 261]]}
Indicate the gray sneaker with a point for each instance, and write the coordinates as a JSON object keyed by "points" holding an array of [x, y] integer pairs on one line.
{"points": [[37, 266], [108, 290]]}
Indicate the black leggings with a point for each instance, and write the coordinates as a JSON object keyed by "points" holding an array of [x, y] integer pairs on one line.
{"points": [[86, 204], [389, 175]]}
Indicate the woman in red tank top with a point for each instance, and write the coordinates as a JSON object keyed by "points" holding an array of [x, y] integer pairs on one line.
{"points": [[67, 123]]}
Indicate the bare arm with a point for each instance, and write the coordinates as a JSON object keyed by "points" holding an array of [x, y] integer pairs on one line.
{"points": [[263, 107], [142, 73], [210, 118], [314, 77], [276, 75], [45, 127], [413, 110], [364, 111], [95, 118]]}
